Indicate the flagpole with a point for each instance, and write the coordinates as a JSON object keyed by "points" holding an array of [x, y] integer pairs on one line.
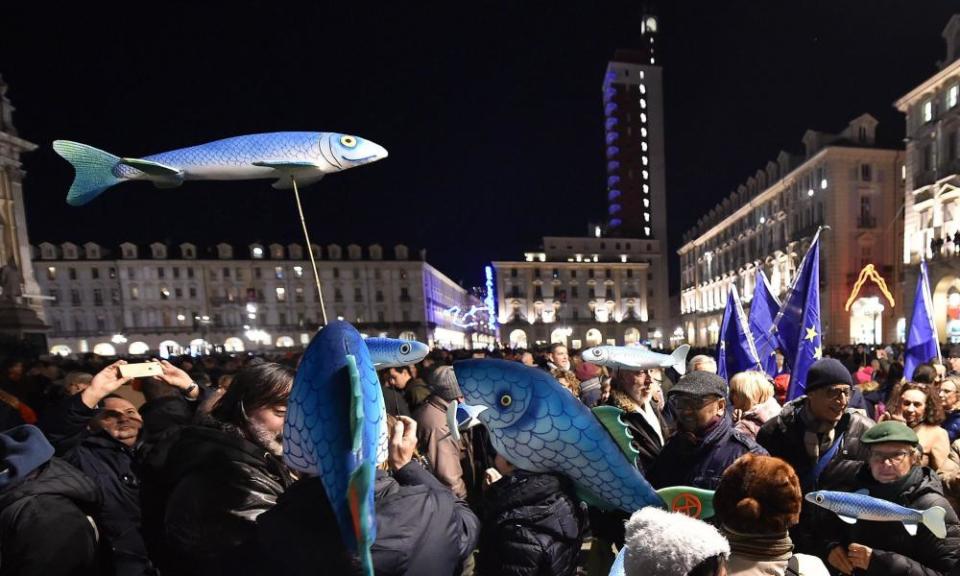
{"points": [[800, 267]]}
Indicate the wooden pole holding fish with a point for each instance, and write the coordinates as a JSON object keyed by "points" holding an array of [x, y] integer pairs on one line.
{"points": [[306, 236]]}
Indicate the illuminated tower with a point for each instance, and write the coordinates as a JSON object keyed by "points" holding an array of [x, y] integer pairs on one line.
{"points": [[633, 105]]}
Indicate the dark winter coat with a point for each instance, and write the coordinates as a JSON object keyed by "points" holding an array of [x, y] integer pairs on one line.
{"points": [[645, 437], [422, 529], [395, 402], [114, 467], [952, 425], [685, 461], [204, 487], [895, 552], [45, 525], [532, 526], [783, 437]]}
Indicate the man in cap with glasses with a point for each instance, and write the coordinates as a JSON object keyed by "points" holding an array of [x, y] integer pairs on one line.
{"points": [[705, 442]]}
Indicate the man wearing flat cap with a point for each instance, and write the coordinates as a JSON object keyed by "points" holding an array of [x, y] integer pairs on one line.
{"points": [[705, 442], [819, 435], [892, 472]]}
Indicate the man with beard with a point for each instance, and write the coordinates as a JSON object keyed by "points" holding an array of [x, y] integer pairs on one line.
{"points": [[205, 485]]}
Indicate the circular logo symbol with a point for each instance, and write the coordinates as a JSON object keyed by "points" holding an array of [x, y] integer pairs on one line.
{"points": [[687, 503]]}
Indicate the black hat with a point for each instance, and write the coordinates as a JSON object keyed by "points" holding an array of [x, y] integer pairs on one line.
{"points": [[700, 383], [827, 372]]}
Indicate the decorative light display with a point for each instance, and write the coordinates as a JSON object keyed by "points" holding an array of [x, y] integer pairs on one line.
{"points": [[869, 272], [488, 300]]}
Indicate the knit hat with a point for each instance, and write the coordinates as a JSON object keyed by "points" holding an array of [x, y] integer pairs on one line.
{"points": [[700, 383], [22, 450], [661, 543], [827, 372], [864, 374], [758, 495], [586, 371], [443, 383]]}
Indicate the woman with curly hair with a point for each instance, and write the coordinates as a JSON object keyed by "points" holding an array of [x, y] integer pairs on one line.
{"points": [[918, 406]]}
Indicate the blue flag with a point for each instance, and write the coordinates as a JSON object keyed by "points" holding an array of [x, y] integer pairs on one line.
{"points": [[798, 322], [922, 341], [763, 309], [735, 350]]}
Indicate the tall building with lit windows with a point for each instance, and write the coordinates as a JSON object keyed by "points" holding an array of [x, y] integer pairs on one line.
{"points": [[636, 162]]}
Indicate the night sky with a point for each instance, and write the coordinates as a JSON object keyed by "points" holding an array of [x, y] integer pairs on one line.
{"points": [[491, 111]]}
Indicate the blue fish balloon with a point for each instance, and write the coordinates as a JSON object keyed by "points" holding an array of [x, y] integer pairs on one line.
{"points": [[334, 426], [539, 426], [853, 506], [306, 155], [393, 353]]}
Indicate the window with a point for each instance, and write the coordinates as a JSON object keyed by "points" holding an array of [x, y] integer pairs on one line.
{"points": [[283, 319], [226, 273], [178, 293], [112, 272], [592, 293], [101, 323], [97, 297], [281, 295], [405, 315], [380, 316], [405, 293], [298, 271], [75, 297], [257, 273], [336, 272], [379, 296], [866, 172], [190, 273], [356, 273], [162, 272], [95, 273], [337, 295], [608, 273], [193, 292], [376, 274], [72, 273], [278, 272], [953, 95], [515, 291], [513, 272], [298, 294], [164, 293], [52, 273], [115, 296], [357, 295], [55, 294], [590, 273], [629, 273], [573, 273], [928, 111]]}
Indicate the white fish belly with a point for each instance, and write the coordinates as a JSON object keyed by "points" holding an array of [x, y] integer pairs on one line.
{"points": [[223, 172]]}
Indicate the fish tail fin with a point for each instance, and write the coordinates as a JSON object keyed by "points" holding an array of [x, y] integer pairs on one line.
{"points": [[94, 170], [933, 519], [365, 531], [679, 358]]}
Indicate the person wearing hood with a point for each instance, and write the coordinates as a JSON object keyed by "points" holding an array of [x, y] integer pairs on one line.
{"points": [[819, 435], [206, 484], [532, 524], [45, 510], [705, 442], [661, 543], [892, 472], [757, 501], [422, 528], [591, 383], [99, 433]]}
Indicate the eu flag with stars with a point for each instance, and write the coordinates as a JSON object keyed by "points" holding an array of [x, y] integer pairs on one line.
{"points": [[763, 309], [735, 350], [922, 341], [798, 322]]}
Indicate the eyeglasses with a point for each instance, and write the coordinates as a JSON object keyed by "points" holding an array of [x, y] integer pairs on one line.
{"points": [[893, 457], [835, 392], [690, 403]]}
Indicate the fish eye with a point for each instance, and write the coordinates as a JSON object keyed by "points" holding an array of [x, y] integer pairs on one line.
{"points": [[348, 141], [596, 352], [404, 348], [506, 400], [819, 499]]}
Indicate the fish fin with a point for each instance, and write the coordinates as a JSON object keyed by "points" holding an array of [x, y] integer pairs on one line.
{"points": [[847, 519], [307, 179], [154, 169], [933, 520], [287, 165], [911, 528], [452, 420], [679, 358], [686, 499], [611, 419], [360, 486], [863, 492], [94, 170], [356, 404]]}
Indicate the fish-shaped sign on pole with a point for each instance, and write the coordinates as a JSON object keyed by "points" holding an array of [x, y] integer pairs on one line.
{"points": [[636, 358], [853, 506]]}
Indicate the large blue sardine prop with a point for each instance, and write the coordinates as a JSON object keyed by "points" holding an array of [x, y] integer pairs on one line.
{"points": [[637, 358], [853, 506], [334, 427], [394, 353], [307, 156], [539, 426]]}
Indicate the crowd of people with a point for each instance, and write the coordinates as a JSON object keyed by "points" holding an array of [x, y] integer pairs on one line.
{"points": [[183, 473]]}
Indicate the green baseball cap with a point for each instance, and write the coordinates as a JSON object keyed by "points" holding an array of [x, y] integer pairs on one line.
{"points": [[889, 431]]}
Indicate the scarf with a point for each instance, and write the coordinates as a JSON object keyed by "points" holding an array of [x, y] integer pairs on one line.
{"points": [[892, 491], [759, 546], [818, 436]]}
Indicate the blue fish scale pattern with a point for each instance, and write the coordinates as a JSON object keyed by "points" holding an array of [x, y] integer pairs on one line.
{"points": [[317, 431], [545, 429], [239, 151], [867, 507]]}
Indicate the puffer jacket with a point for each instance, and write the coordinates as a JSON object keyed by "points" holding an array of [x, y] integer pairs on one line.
{"points": [[896, 553], [952, 425], [685, 461], [203, 488], [532, 526], [45, 525]]}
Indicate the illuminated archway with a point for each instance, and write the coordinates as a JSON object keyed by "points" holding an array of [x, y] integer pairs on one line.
{"points": [[138, 348], [593, 337], [169, 348], [104, 349], [285, 342], [632, 336], [60, 350], [233, 344], [518, 339], [408, 335]]}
